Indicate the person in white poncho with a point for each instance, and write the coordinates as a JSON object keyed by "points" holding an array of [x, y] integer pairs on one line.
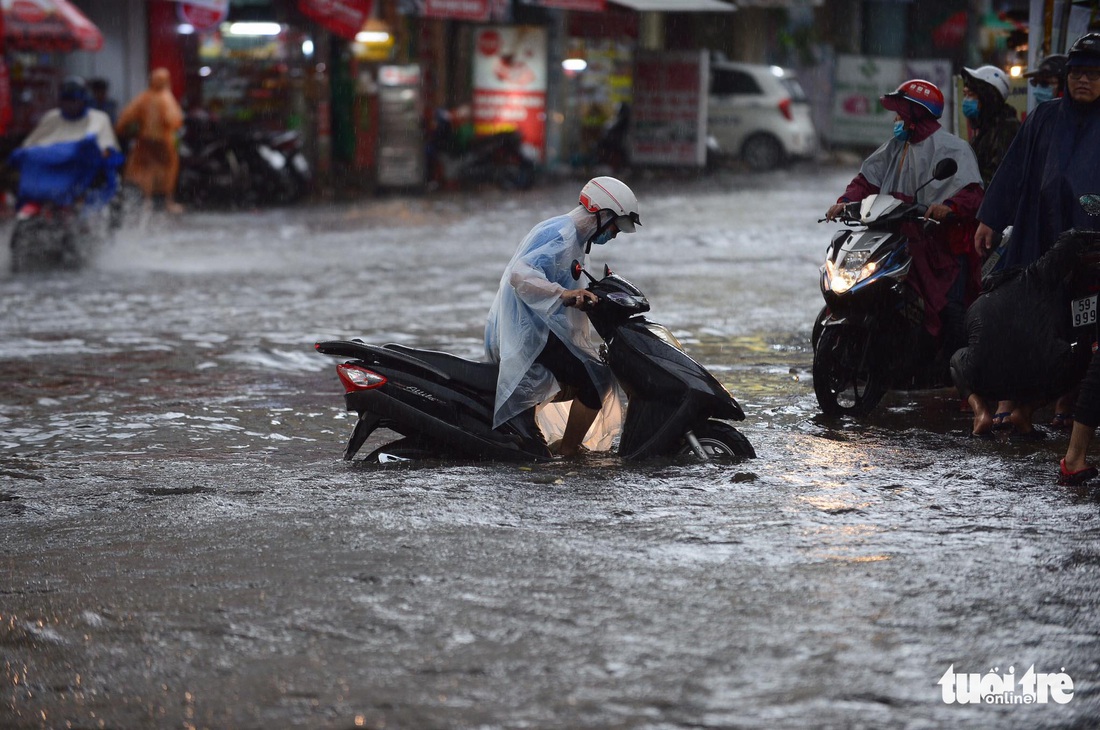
{"points": [[537, 330]]}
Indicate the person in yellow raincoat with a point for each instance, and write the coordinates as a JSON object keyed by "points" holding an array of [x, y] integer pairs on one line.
{"points": [[152, 120]]}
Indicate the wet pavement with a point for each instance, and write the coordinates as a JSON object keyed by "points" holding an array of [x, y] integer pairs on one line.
{"points": [[183, 546]]}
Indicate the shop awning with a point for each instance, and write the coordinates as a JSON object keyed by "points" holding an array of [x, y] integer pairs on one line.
{"points": [[677, 6], [48, 25]]}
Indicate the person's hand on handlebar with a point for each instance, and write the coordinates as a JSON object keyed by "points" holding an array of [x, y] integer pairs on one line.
{"points": [[938, 212], [834, 211], [580, 298]]}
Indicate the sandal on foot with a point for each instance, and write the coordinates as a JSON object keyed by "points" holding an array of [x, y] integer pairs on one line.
{"points": [[1000, 421], [1062, 421], [1075, 478]]}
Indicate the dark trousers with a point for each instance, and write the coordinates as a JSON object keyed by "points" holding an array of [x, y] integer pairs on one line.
{"points": [[569, 370]]}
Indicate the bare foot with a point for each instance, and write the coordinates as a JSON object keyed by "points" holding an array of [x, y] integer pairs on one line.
{"points": [[983, 419]]}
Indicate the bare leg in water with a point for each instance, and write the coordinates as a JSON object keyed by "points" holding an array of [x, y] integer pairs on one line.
{"points": [[580, 420]]}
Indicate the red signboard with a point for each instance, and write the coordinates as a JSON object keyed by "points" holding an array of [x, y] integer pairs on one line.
{"points": [[345, 18], [48, 25], [475, 11], [584, 6], [510, 83], [203, 14]]}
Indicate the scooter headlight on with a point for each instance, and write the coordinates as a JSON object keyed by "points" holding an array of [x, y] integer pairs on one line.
{"points": [[853, 269]]}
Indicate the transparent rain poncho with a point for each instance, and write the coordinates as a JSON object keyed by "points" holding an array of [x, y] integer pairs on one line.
{"points": [[526, 309]]}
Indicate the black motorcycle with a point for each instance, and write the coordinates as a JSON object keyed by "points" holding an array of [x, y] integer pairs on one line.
{"points": [[498, 159], [869, 337], [442, 405], [227, 165]]}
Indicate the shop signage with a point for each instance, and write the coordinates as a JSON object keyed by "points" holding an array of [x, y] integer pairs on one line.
{"points": [[510, 83], [587, 6], [345, 18], [670, 108], [203, 14], [475, 11], [860, 81]]}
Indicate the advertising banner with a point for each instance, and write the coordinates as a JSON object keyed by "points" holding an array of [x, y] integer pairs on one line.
{"points": [[345, 18], [474, 11], [669, 117], [510, 83], [858, 116], [203, 14]]}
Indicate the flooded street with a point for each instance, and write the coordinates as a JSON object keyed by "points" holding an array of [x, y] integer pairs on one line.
{"points": [[183, 545]]}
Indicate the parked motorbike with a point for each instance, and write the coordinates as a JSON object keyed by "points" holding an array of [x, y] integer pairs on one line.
{"points": [[442, 405], [229, 165], [64, 204], [870, 338], [612, 149], [498, 159]]}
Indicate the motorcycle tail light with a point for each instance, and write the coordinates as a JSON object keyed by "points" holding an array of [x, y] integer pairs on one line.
{"points": [[355, 377], [785, 110]]}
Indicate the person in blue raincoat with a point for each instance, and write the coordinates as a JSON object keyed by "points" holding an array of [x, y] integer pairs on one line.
{"points": [[537, 331], [1049, 165]]}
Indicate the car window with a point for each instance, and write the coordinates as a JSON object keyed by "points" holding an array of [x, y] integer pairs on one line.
{"points": [[794, 88], [726, 81]]}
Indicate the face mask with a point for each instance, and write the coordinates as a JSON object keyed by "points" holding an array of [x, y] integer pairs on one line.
{"points": [[970, 108], [901, 134], [602, 237], [1042, 93]]}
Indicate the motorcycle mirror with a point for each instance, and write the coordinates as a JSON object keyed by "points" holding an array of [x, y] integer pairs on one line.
{"points": [[1091, 203], [606, 270], [576, 269], [944, 169]]}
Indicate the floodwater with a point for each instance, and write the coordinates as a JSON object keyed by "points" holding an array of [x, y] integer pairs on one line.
{"points": [[184, 547]]}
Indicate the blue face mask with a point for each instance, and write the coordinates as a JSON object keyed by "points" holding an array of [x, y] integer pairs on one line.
{"points": [[971, 108], [603, 237], [901, 134], [1042, 93]]}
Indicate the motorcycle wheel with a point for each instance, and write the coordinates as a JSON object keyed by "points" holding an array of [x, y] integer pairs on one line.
{"points": [[819, 326], [720, 441], [400, 451], [847, 381], [37, 245]]}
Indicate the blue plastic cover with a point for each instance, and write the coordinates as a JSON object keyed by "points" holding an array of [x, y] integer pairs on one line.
{"points": [[64, 171]]}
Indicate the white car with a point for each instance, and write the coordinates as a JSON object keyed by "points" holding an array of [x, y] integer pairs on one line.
{"points": [[758, 113]]}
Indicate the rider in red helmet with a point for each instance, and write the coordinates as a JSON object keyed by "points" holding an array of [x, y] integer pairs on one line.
{"points": [[943, 272]]}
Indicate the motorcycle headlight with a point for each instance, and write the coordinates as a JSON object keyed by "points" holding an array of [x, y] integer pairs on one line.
{"points": [[852, 270], [664, 333]]}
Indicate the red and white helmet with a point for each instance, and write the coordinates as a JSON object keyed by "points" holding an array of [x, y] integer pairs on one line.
{"points": [[610, 194], [923, 93], [991, 75]]}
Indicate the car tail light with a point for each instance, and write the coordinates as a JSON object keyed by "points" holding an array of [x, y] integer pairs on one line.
{"points": [[785, 109], [355, 378]]}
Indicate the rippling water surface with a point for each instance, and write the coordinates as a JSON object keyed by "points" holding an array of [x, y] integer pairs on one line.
{"points": [[183, 545]]}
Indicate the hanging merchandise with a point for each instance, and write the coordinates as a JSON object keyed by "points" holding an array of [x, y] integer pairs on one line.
{"points": [[345, 18]]}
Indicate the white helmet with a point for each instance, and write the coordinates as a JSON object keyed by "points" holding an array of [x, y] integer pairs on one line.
{"points": [[607, 193], [991, 75]]}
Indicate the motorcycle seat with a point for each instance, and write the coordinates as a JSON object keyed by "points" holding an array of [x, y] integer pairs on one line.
{"points": [[478, 375]]}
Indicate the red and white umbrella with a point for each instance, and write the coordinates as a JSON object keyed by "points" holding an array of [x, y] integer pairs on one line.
{"points": [[48, 25]]}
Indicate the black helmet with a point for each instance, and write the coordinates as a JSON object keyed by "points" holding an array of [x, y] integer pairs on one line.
{"points": [[1085, 51], [73, 87], [1052, 65]]}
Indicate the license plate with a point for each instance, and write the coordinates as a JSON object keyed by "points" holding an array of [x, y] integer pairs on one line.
{"points": [[1083, 311]]}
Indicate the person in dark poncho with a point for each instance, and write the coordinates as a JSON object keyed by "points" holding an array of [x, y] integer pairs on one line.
{"points": [[993, 122], [1022, 319], [1050, 164]]}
